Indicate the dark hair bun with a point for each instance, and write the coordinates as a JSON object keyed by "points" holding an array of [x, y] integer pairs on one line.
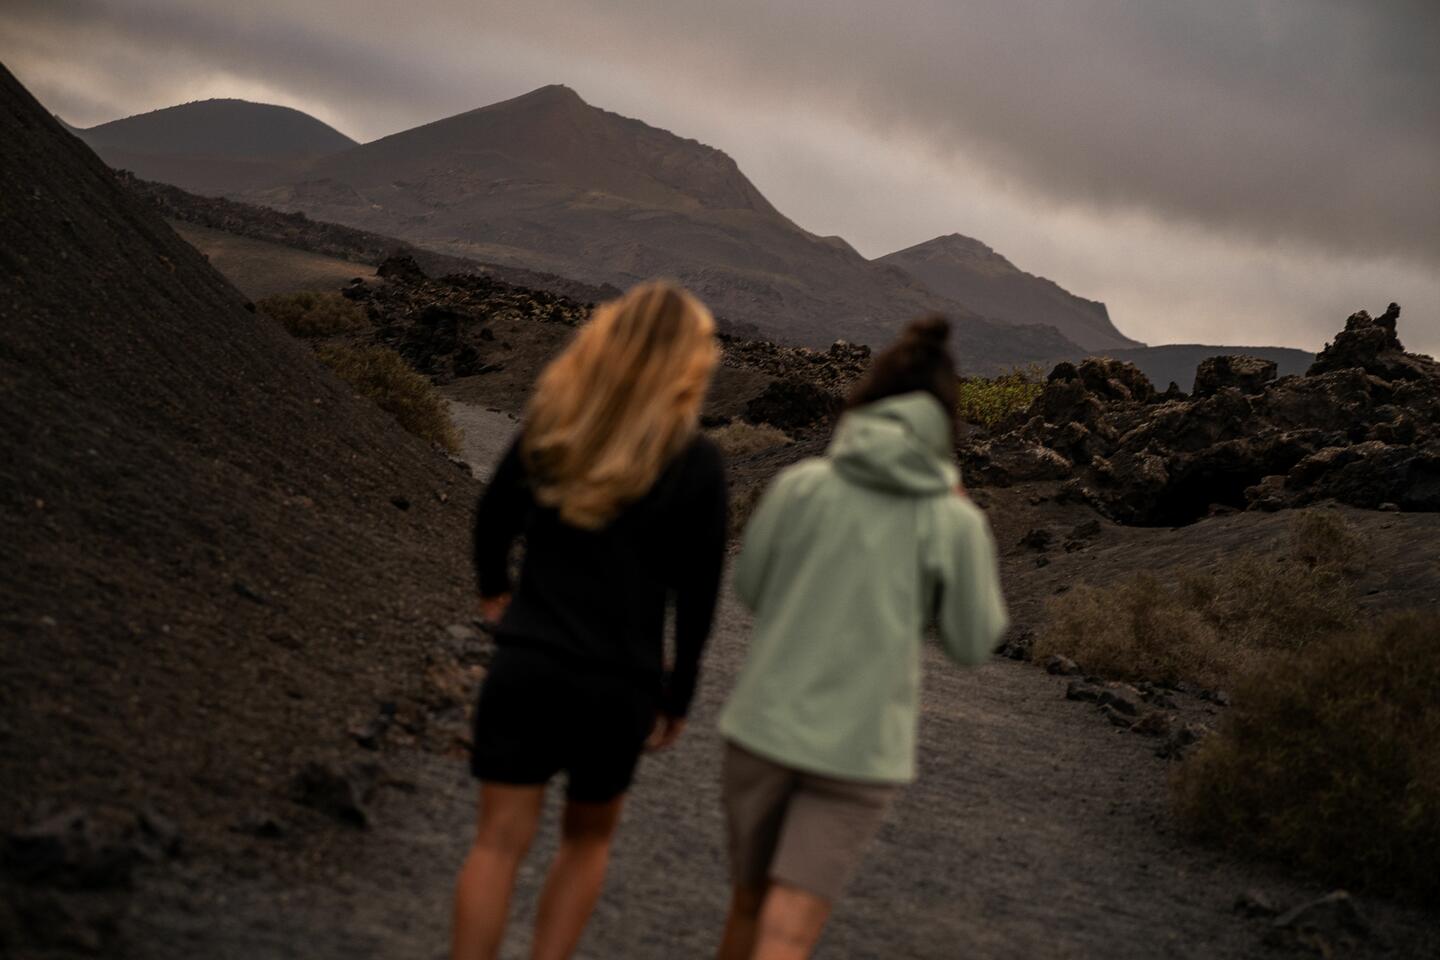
{"points": [[932, 330]]}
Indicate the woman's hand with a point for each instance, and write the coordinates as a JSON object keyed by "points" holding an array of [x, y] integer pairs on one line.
{"points": [[493, 608], [667, 731]]}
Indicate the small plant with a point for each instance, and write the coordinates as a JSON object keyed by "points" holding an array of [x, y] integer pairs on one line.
{"points": [[1322, 538], [1328, 760], [740, 439], [383, 376], [1205, 626], [312, 314], [988, 400], [1140, 629]]}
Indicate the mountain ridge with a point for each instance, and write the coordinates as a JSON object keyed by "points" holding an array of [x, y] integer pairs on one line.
{"points": [[549, 182], [969, 270]]}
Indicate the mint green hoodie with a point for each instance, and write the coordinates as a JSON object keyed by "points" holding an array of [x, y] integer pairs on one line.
{"points": [[845, 561]]}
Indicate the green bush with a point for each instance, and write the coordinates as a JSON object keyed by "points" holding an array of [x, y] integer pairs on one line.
{"points": [[988, 400], [740, 439], [311, 314], [383, 376], [1205, 626], [1328, 760]]}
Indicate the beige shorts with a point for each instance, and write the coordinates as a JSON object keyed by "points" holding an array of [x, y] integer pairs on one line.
{"points": [[797, 828]]}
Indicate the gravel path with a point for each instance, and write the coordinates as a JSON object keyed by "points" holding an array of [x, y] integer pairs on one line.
{"points": [[1037, 829]]}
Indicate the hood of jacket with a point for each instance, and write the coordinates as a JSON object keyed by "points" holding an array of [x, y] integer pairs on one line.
{"points": [[901, 444]]}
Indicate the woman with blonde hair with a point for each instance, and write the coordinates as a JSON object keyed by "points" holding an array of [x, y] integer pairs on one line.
{"points": [[621, 503]]}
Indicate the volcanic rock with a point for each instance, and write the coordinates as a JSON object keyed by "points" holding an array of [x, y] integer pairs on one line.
{"points": [[1362, 427], [1247, 374], [793, 406]]}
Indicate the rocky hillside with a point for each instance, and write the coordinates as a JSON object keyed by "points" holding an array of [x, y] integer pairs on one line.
{"points": [[1358, 427], [298, 231], [486, 340], [214, 146], [969, 272], [217, 560]]}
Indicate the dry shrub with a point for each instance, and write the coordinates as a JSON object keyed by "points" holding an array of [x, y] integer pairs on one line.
{"points": [[1328, 760], [1271, 604], [1322, 538], [742, 504], [740, 439], [988, 400], [1140, 629], [383, 376], [312, 314], [1204, 626]]}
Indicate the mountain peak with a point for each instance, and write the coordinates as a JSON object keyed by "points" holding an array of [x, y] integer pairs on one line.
{"points": [[970, 272]]}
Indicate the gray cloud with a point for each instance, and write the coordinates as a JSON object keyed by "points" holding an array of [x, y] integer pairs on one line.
{"points": [[1304, 132]]}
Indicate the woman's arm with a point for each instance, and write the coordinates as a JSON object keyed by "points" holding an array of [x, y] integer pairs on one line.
{"points": [[971, 612], [700, 545], [501, 515]]}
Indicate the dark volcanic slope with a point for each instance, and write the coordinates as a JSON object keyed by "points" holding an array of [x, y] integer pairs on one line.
{"points": [[214, 146], [204, 578], [548, 182], [969, 272]]}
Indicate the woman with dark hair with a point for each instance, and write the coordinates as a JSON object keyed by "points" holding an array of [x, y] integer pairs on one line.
{"points": [[621, 501], [846, 559]]}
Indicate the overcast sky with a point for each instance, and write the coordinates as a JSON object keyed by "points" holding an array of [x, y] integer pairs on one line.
{"points": [[1232, 171]]}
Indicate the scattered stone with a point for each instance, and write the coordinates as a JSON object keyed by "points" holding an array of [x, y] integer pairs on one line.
{"points": [[1017, 645], [248, 592], [87, 849], [1083, 690], [369, 736], [1322, 925], [1153, 723], [338, 794], [159, 837], [1037, 539], [1181, 738], [261, 825], [1042, 561], [1255, 903], [399, 502], [401, 267], [1122, 697], [1086, 530], [1061, 666], [1109, 712]]}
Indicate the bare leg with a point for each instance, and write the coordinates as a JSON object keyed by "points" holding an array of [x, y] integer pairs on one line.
{"points": [[790, 923], [742, 924], [575, 878], [505, 825]]}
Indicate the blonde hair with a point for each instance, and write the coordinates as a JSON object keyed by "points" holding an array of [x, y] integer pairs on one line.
{"points": [[620, 401]]}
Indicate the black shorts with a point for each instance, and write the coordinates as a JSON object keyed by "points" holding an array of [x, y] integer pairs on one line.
{"points": [[540, 714]]}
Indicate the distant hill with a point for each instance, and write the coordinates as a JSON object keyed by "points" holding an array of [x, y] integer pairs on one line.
{"points": [[214, 146], [548, 182], [969, 272]]}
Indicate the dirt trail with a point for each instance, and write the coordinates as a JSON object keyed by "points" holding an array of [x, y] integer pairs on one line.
{"points": [[1036, 830]]}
